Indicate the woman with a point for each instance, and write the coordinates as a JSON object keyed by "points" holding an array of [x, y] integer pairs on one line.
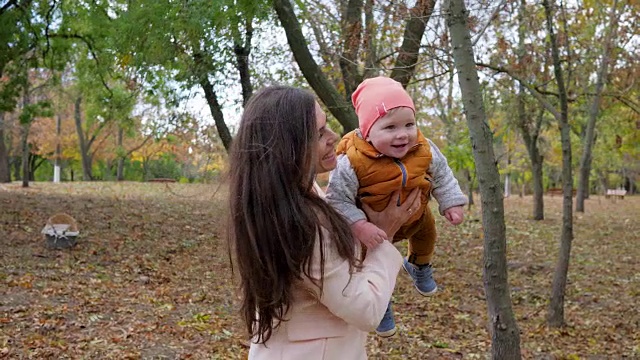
{"points": [[305, 293]]}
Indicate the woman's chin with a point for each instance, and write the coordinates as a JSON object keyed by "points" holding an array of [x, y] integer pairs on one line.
{"points": [[328, 164]]}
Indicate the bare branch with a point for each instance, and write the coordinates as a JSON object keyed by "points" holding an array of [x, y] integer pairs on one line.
{"points": [[484, 28], [528, 86]]}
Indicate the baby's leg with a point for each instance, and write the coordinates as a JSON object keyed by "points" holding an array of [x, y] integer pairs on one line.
{"points": [[421, 248], [422, 243]]}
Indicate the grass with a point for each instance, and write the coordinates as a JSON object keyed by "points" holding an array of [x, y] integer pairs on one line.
{"points": [[150, 279]]}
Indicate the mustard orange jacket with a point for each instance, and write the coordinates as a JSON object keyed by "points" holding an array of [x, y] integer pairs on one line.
{"points": [[364, 174]]}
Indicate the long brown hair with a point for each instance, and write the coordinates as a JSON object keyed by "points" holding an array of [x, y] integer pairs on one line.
{"points": [[275, 214]]}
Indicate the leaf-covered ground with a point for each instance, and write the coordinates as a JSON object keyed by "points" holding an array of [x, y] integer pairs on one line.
{"points": [[150, 279]]}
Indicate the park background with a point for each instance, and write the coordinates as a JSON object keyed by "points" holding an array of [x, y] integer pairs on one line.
{"points": [[135, 104]]}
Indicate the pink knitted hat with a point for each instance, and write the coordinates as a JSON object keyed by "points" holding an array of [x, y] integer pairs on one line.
{"points": [[375, 97]]}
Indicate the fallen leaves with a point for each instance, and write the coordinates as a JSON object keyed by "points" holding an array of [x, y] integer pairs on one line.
{"points": [[150, 278]]}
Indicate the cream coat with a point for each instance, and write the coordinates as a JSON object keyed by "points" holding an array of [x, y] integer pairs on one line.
{"points": [[335, 324]]}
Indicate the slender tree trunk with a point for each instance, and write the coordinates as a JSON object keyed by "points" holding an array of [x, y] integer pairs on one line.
{"points": [[17, 167], [84, 151], [25, 154], [555, 316], [5, 170], [531, 142], [351, 38], [504, 331], [34, 163], [120, 170], [56, 164], [405, 64], [242, 62], [335, 103], [530, 134], [216, 112], [24, 143], [589, 139], [469, 187], [371, 65], [536, 178], [507, 176], [145, 168]]}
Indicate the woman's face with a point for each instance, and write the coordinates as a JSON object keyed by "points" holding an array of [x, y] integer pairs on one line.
{"points": [[326, 153]]}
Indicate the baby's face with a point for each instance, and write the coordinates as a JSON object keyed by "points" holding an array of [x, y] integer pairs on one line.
{"points": [[395, 133]]}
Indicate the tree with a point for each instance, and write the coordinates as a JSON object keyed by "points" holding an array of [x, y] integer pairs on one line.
{"points": [[555, 316], [528, 125], [20, 29], [504, 331], [351, 39], [589, 137], [190, 43]]}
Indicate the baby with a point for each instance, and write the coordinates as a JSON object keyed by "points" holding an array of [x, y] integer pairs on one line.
{"points": [[385, 154]]}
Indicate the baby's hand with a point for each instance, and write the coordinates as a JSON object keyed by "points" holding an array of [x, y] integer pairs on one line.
{"points": [[455, 215], [368, 234]]}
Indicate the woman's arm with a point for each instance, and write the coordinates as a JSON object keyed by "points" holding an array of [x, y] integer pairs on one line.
{"points": [[360, 297]]}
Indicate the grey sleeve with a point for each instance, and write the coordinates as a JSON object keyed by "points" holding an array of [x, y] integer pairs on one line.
{"points": [[446, 189], [343, 189]]}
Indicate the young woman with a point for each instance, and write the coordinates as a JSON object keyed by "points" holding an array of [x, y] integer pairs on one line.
{"points": [[305, 293]]}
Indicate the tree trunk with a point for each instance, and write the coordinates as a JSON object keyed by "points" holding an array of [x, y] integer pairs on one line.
{"points": [[216, 112], [405, 64], [24, 141], [469, 187], [351, 38], [24, 144], [145, 168], [5, 170], [531, 141], [507, 176], [335, 103], [56, 165], [555, 316], [120, 170], [538, 190], [242, 62], [35, 162], [17, 170], [589, 139], [371, 65], [530, 134], [84, 151], [504, 331]]}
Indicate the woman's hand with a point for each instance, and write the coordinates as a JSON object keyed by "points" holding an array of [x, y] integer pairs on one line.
{"points": [[393, 216]]}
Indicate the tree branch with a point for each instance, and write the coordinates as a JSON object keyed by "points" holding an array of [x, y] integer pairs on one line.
{"points": [[91, 50], [351, 40], [329, 95], [409, 50], [486, 26], [531, 89]]}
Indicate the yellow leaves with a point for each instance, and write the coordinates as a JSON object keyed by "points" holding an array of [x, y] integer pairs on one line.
{"points": [[24, 281]]}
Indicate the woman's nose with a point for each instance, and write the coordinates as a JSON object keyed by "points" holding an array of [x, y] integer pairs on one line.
{"points": [[332, 137]]}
